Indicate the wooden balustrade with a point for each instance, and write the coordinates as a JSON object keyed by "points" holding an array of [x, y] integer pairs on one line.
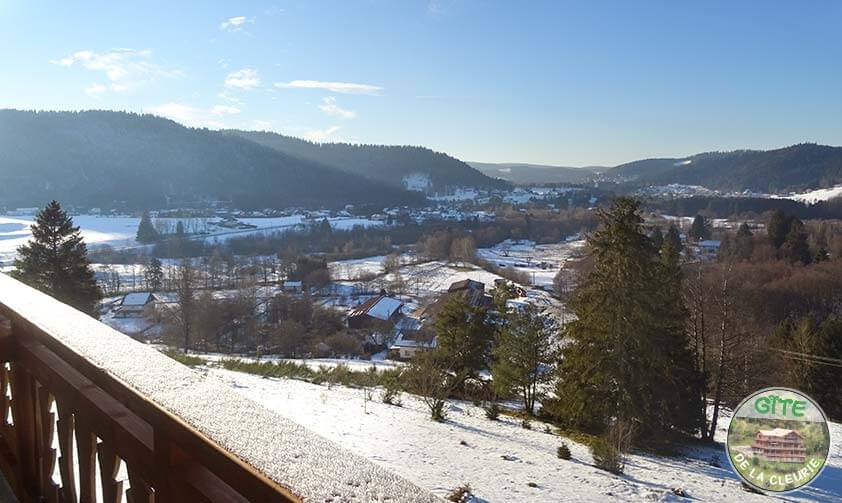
{"points": [[70, 432]]}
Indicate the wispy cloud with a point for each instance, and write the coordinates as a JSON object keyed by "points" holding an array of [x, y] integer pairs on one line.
{"points": [[320, 135], [124, 69], [95, 90], [236, 23], [336, 87], [330, 107], [224, 110], [243, 79], [227, 97]]}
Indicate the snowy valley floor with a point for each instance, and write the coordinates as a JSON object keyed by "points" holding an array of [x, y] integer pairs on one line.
{"points": [[499, 459]]}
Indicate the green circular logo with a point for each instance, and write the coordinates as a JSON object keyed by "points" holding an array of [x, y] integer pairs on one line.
{"points": [[778, 440]]}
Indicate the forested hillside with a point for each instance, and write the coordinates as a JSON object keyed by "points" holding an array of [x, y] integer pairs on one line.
{"points": [[794, 168], [385, 163], [115, 159]]}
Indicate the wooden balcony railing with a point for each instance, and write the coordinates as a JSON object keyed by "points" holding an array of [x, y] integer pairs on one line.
{"points": [[89, 415]]}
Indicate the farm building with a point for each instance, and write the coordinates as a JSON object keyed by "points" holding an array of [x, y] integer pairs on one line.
{"points": [[381, 308], [779, 445], [133, 305]]}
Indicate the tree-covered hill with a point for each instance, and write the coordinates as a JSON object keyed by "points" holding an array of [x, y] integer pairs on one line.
{"points": [[385, 163], [115, 159], [795, 168]]}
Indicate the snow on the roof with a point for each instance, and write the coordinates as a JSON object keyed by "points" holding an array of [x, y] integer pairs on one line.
{"points": [[381, 307], [384, 308], [778, 432], [405, 340], [136, 299], [311, 466]]}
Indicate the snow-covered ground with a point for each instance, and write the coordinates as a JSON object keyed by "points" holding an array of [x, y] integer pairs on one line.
{"points": [[356, 268], [354, 365], [120, 231], [499, 459], [527, 257], [814, 196]]}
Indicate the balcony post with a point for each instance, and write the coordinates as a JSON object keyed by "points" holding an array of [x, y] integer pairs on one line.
{"points": [[23, 415]]}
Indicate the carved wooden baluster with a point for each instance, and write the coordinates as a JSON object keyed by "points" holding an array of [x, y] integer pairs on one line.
{"points": [[65, 461], [109, 465], [23, 410], [47, 425], [4, 400], [139, 491], [86, 446]]}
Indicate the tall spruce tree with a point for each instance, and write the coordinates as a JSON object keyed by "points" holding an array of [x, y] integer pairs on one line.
{"points": [[464, 335], [154, 274], [778, 227], [700, 228], [524, 355], [796, 247], [674, 238], [146, 232], [628, 357], [55, 261]]}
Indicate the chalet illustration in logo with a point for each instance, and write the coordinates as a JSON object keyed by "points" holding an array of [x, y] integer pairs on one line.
{"points": [[779, 445]]}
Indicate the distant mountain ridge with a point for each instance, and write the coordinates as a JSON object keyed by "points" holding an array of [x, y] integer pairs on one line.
{"points": [[391, 164], [789, 169], [524, 173], [116, 159], [796, 168]]}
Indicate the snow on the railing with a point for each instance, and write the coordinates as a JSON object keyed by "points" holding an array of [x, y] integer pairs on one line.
{"points": [[311, 466]]}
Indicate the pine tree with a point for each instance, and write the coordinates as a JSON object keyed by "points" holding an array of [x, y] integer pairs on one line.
{"points": [[56, 262], [778, 227], [674, 238], [795, 246], [523, 355], [700, 229], [628, 356], [179, 229], [146, 232], [464, 336], [154, 274], [744, 242]]}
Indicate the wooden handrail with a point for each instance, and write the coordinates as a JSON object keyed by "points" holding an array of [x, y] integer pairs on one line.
{"points": [[100, 420], [108, 401], [153, 443]]}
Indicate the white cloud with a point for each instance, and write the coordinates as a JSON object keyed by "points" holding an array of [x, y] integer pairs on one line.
{"points": [[95, 90], [336, 87], [123, 68], [185, 114], [320, 135], [330, 107], [227, 97], [235, 23], [243, 79], [224, 110]]}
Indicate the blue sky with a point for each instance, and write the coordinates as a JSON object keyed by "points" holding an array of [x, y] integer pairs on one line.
{"points": [[567, 83]]}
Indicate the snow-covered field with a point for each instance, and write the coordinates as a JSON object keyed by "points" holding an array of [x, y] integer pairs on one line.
{"points": [[527, 257], [499, 459], [120, 231], [817, 195]]}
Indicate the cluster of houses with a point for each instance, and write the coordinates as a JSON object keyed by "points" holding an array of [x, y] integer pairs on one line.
{"points": [[407, 331], [402, 328]]}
